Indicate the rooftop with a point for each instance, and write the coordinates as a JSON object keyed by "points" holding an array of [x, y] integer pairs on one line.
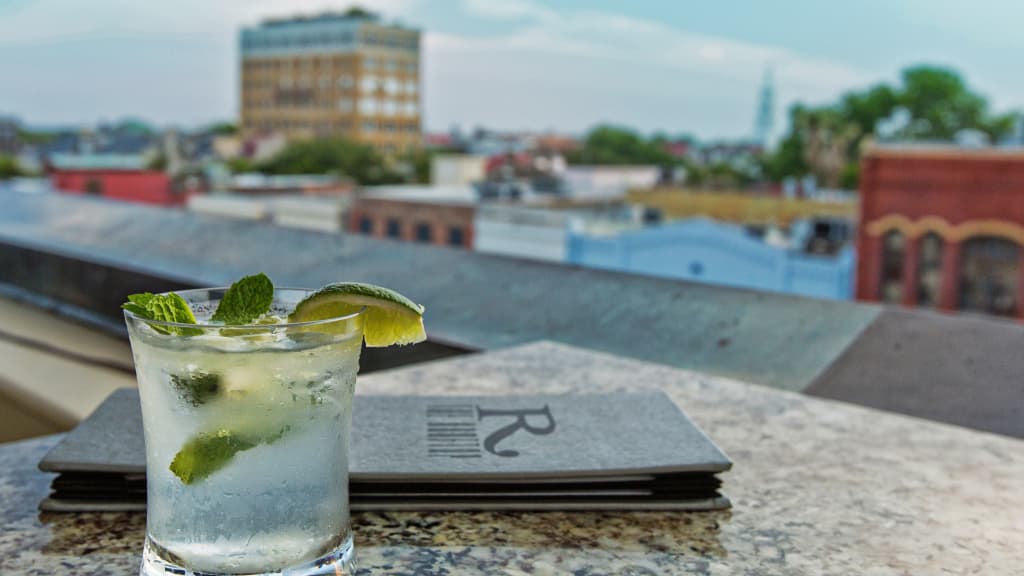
{"points": [[63, 161], [452, 195], [84, 255], [944, 150], [352, 14]]}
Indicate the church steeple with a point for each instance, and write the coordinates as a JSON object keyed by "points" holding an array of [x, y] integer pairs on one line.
{"points": [[765, 110]]}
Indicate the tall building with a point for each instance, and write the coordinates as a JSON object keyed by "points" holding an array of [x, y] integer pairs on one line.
{"points": [[332, 75]]}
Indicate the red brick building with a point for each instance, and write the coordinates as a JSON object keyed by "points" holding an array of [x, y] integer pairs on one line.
{"points": [[146, 186], [943, 227], [413, 216]]}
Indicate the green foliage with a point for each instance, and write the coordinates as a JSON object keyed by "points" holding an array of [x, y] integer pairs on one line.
{"points": [[223, 128], [940, 104], [168, 307], [849, 178], [723, 176], [338, 156], [207, 453], [420, 159], [246, 300], [240, 165], [158, 162], [33, 138], [360, 12], [826, 141], [9, 167], [615, 145]]}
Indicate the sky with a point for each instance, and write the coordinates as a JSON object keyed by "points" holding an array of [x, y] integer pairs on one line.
{"points": [[676, 66]]}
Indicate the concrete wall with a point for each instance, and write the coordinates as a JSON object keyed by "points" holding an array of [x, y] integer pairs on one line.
{"points": [[705, 251], [596, 182], [521, 239], [456, 169], [522, 232]]}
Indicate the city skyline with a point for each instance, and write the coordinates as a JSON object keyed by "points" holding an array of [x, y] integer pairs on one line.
{"points": [[521, 65]]}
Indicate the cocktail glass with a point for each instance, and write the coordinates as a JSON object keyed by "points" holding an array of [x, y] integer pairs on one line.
{"points": [[247, 437]]}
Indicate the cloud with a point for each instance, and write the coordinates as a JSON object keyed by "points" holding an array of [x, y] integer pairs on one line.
{"points": [[40, 21], [577, 67], [534, 68], [508, 9]]}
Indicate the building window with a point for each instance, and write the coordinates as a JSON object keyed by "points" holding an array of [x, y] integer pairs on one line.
{"points": [[94, 187], [345, 104], [368, 84], [890, 288], [346, 81], [368, 106], [455, 236], [423, 232], [394, 228], [989, 276], [929, 270], [366, 225], [369, 126]]}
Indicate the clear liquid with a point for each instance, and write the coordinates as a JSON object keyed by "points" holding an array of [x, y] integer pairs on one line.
{"points": [[279, 503]]}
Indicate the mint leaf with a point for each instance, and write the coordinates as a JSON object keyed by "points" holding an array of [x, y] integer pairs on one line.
{"points": [[208, 452], [246, 300], [196, 387], [163, 307]]}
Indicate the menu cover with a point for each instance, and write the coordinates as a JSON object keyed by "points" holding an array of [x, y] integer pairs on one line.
{"points": [[588, 451]]}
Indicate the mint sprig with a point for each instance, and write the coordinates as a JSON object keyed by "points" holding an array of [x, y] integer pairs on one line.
{"points": [[246, 300], [168, 307]]}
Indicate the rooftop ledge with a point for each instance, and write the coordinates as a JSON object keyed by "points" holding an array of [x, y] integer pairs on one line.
{"points": [[82, 256]]}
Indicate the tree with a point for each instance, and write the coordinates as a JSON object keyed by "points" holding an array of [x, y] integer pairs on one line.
{"points": [[360, 12], [9, 167], [419, 161], [826, 141], [240, 165], [338, 156], [615, 145], [157, 162], [33, 138], [223, 128]]}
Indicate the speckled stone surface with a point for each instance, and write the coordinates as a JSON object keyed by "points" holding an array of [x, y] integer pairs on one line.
{"points": [[818, 488]]}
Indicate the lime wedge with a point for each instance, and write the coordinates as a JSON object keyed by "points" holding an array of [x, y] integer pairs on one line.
{"points": [[390, 318]]}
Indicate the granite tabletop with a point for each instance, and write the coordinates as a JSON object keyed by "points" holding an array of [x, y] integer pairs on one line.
{"points": [[818, 487]]}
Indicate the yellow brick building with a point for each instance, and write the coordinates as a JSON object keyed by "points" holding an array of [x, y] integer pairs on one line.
{"points": [[332, 75]]}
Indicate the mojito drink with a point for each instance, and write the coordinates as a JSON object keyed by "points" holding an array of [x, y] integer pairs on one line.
{"points": [[247, 436]]}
